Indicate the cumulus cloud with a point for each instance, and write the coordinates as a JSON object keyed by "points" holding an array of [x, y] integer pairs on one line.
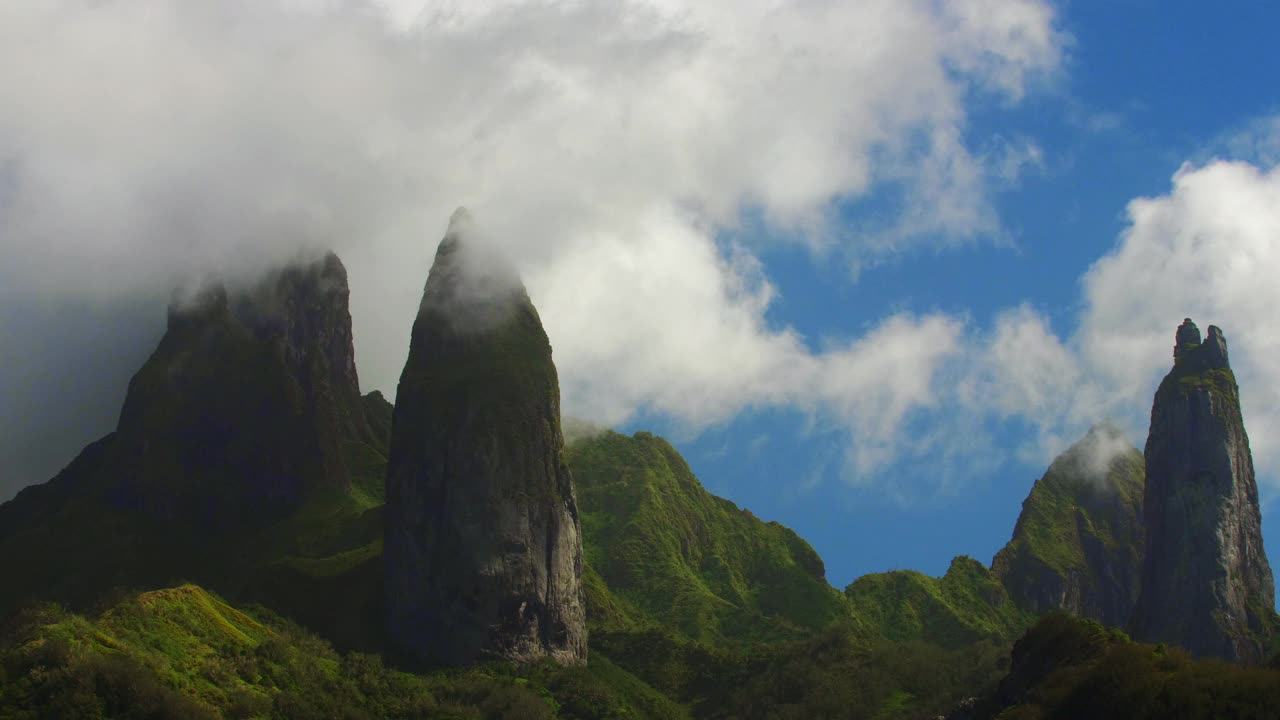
{"points": [[610, 145], [1208, 249]]}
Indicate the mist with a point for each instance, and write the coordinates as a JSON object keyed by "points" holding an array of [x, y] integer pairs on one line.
{"points": [[610, 148], [66, 368]]}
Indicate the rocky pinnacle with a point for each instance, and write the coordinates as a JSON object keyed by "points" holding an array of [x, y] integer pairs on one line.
{"points": [[483, 550], [245, 406], [1206, 582], [1079, 540]]}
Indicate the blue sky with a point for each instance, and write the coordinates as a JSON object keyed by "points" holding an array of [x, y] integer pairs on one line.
{"points": [[1147, 86], [869, 265]]}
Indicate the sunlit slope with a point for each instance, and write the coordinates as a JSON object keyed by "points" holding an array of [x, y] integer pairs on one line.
{"points": [[965, 605], [185, 653], [672, 553]]}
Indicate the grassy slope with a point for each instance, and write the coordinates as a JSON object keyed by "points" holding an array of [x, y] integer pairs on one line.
{"points": [[690, 594], [733, 616], [1071, 508], [965, 605], [1050, 531], [185, 653], [72, 540], [671, 553]]}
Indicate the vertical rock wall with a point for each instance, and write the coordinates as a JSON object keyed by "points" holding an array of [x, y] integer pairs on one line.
{"points": [[1206, 582], [483, 550]]}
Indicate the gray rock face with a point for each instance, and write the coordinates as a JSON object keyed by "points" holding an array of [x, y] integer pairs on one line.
{"points": [[1188, 335], [247, 405], [1206, 582], [482, 549], [1078, 542]]}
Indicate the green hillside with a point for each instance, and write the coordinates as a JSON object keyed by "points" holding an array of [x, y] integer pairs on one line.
{"points": [[1078, 543], [183, 653], [1066, 667], [965, 605], [673, 554], [696, 608]]}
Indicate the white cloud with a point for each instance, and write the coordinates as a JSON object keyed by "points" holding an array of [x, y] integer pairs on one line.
{"points": [[608, 143], [1209, 249]]}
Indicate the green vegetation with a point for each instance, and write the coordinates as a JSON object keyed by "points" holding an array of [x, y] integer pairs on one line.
{"points": [[477, 360], [964, 606], [1068, 504], [696, 609], [184, 653], [1079, 538], [838, 674], [672, 554], [1198, 367], [1065, 667], [1220, 380]]}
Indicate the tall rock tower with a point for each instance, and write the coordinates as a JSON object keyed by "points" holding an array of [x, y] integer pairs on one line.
{"points": [[483, 549], [245, 407], [1206, 583]]}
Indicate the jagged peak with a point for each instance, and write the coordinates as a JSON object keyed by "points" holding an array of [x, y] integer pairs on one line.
{"points": [[461, 224], [1093, 457], [1192, 355], [1215, 348], [472, 284], [193, 308], [268, 295], [1187, 337]]}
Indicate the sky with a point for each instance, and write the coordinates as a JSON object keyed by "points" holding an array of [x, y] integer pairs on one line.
{"points": [[870, 266]]}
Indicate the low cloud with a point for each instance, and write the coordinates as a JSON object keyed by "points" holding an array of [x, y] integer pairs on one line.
{"points": [[148, 143], [1207, 249]]}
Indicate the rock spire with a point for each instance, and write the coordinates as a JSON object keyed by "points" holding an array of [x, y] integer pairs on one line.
{"points": [[483, 551], [244, 407], [1206, 582]]}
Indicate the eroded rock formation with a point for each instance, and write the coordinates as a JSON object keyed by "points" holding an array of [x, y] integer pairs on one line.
{"points": [[1206, 582], [483, 551], [246, 406]]}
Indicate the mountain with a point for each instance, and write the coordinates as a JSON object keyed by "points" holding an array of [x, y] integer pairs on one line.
{"points": [[253, 485], [1206, 582], [249, 403], [1078, 543], [673, 554], [965, 605], [244, 458], [483, 544]]}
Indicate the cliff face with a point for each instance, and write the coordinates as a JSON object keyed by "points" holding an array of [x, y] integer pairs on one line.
{"points": [[1206, 582], [247, 405], [1079, 541], [482, 549], [243, 450]]}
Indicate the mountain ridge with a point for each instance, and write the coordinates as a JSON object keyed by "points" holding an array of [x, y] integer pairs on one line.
{"points": [[1078, 542], [694, 606]]}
